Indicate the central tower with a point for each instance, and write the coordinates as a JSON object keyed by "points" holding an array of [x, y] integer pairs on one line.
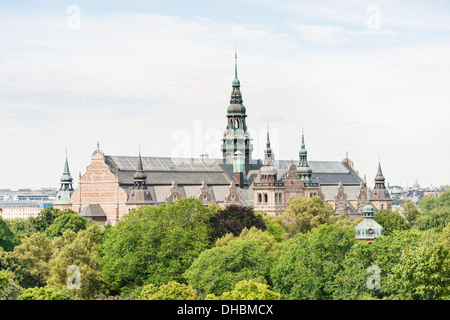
{"points": [[236, 137]]}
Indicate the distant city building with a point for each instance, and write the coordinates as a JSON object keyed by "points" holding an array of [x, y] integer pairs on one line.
{"points": [[21, 209]]}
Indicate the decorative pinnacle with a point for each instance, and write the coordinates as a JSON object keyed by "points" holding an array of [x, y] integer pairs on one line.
{"points": [[303, 138], [235, 63]]}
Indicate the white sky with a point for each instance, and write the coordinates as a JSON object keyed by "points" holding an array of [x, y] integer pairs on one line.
{"points": [[370, 78]]}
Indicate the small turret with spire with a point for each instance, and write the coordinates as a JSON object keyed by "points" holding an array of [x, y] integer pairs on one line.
{"points": [[380, 192], [303, 167], [140, 193], [63, 197]]}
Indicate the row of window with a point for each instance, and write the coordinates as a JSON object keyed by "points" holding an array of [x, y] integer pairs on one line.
{"points": [[264, 197]]}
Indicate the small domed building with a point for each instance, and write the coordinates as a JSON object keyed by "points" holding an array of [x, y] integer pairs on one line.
{"points": [[368, 229]]}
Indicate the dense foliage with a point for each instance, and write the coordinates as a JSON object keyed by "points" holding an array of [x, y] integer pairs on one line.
{"points": [[234, 219], [154, 244], [185, 250]]}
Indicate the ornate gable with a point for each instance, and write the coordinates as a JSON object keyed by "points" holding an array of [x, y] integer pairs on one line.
{"points": [[174, 194], [232, 196], [341, 203], [204, 194]]}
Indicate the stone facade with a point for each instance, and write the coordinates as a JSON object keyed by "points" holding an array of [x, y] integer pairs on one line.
{"points": [[100, 186]]}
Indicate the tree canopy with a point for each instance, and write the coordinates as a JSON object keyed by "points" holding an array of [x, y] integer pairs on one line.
{"points": [[154, 244], [233, 219], [218, 269]]}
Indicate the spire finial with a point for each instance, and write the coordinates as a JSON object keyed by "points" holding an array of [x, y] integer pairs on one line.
{"points": [[235, 63], [303, 137], [98, 145]]}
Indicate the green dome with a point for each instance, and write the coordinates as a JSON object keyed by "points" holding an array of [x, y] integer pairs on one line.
{"points": [[304, 170], [66, 177], [368, 229], [236, 108]]}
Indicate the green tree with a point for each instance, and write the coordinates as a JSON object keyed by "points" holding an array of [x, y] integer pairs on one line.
{"points": [[66, 221], [170, 291], [303, 214], [83, 254], [423, 274], [434, 212], [445, 236], [22, 227], [34, 254], [45, 218], [268, 241], [437, 219], [391, 221], [381, 255], [154, 244], [233, 219], [7, 238], [4, 280], [218, 269], [341, 220], [46, 294], [273, 227], [247, 290], [307, 264], [9, 288], [410, 211]]}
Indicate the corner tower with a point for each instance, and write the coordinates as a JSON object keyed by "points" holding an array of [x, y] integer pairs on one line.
{"points": [[380, 196], [236, 137], [63, 198]]}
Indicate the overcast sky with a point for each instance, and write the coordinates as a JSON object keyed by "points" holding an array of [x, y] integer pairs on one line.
{"points": [[368, 77]]}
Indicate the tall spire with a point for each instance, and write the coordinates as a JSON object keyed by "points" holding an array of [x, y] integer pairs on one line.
{"points": [[303, 165], [63, 197], [379, 177], [66, 178], [139, 176], [236, 95], [235, 66], [236, 137], [380, 192], [268, 154], [140, 193]]}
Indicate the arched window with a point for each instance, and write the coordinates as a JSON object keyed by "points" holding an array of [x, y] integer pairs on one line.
{"points": [[265, 198], [259, 198]]}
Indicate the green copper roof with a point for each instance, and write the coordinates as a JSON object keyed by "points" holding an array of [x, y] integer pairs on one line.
{"points": [[368, 229], [66, 177], [236, 105]]}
